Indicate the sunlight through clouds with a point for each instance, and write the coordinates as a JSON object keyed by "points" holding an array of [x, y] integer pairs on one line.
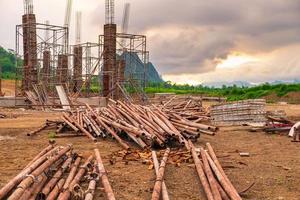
{"points": [[235, 59]]}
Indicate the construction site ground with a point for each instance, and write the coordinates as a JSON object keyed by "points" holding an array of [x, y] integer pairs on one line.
{"points": [[273, 165]]}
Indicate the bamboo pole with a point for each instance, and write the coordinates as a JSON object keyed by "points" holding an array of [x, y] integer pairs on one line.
{"points": [[56, 177], [92, 185], [165, 195], [210, 177], [67, 193], [27, 170], [30, 179], [103, 175], [81, 172], [34, 132], [72, 173], [215, 160], [56, 190], [70, 124], [43, 152], [80, 128], [41, 179], [201, 173], [160, 176], [227, 187], [113, 133]]}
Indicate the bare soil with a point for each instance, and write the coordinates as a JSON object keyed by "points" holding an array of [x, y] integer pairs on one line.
{"points": [[8, 87], [291, 97], [273, 165]]}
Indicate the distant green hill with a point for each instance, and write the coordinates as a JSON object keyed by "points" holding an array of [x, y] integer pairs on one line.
{"points": [[8, 64]]}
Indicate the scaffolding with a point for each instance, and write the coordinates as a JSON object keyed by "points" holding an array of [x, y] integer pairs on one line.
{"points": [[116, 63], [85, 68], [44, 57], [130, 67]]}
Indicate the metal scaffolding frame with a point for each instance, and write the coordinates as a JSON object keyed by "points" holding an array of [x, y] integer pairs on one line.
{"points": [[83, 69], [106, 68], [133, 49], [54, 45]]}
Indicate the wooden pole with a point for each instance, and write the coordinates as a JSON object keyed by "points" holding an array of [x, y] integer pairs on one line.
{"points": [[103, 175], [165, 195], [160, 176], [201, 173]]}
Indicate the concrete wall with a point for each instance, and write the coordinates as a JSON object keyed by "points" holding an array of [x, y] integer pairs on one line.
{"points": [[11, 101], [94, 101], [6, 102]]}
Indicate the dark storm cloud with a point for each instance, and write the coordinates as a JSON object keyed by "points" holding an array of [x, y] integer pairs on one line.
{"points": [[186, 51], [186, 36]]}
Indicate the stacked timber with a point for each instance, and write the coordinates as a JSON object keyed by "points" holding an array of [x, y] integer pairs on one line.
{"points": [[145, 125], [239, 113], [215, 182], [58, 173], [188, 107]]}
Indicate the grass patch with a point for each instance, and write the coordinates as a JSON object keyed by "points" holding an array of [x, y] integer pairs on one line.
{"points": [[51, 135], [233, 93]]}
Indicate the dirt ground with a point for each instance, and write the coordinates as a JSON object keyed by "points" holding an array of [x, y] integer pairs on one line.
{"points": [[291, 97], [8, 87], [273, 165]]}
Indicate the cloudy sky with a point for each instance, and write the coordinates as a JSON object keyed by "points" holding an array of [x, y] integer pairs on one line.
{"points": [[192, 41]]}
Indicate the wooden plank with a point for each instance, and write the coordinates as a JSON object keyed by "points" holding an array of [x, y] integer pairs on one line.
{"points": [[63, 97]]}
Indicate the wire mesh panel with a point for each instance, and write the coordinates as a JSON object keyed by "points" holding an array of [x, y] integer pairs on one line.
{"points": [[239, 113]]}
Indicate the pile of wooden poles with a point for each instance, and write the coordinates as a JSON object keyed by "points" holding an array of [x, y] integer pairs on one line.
{"points": [[215, 182], [191, 108], [58, 173], [145, 125]]}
